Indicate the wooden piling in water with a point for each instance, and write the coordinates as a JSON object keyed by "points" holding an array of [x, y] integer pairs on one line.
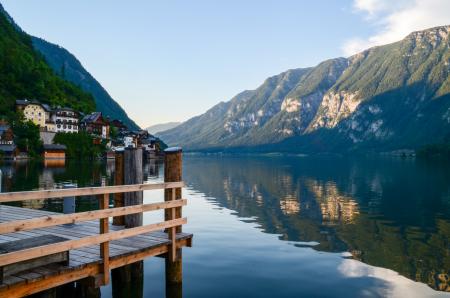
{"points": [[86, 288], [128, 281], [132, 161], [173, 259]]}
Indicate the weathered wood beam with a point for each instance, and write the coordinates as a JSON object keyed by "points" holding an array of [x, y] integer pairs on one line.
{"points": [[104, 247], [118, 180], [21, 290], [173, 263], [85, 191], [54, 220], [36, 252], [173, 233]]}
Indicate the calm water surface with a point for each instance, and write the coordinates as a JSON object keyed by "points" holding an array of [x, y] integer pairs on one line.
{"points": [[291, 227]]}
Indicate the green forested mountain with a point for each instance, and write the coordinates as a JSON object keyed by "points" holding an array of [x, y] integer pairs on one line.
{"points": [[24, 73], [68, 67], [61, 65], [385, 98]]}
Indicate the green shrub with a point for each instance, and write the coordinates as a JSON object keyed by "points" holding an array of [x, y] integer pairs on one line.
{"points": [[26, 137], [80, 145]]}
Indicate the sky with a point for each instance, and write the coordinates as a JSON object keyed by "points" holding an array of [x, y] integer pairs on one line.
{"points": [[170, 60]]}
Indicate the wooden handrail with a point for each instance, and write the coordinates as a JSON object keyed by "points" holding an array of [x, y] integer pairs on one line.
{"points": [[36, 252], [103, 214], [85, 191], [59, 219]]}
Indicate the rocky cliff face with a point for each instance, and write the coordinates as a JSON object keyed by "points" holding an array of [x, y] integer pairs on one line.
{"points": [[334, 107], [386, 97]]}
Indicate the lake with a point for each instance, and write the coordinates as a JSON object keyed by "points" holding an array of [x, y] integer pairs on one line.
{"points": [[290, 226]]}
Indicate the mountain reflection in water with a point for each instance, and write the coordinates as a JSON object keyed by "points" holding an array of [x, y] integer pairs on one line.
{"points": [[387, 213], [393, 215]]}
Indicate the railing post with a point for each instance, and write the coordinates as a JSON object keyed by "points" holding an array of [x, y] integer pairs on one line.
{"points": [[173, 173], [118, 180], [104, 247]]}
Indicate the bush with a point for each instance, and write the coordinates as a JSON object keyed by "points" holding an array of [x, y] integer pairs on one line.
{"points": [[27, 137], [80, 145]]}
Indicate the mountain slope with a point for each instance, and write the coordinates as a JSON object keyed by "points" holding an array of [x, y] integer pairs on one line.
{"points": [[68, 67], [25, 74], [227, 122], [385, 98], [162, 127]]}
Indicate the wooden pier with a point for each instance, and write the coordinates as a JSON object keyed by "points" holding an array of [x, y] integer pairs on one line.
{"points": [[94, 245]]}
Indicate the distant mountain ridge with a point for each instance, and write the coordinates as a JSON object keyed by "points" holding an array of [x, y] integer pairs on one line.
{"points": [[67, 66], [162, 127], [385, 98]]}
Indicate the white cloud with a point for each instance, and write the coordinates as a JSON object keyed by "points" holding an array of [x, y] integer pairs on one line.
{"points": [[395, 284], [396, 19], [371, 7]]}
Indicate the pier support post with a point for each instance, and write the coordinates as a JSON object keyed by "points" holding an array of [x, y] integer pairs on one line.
{"points": [[173, 173], [128, 281], [118, 180], [87, 288], [132, 161]]}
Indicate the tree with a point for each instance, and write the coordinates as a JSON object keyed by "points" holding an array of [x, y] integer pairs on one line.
{"points": [[27, 137], [80, 145]]}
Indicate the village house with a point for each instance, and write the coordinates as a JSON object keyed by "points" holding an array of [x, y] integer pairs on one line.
{"points": [[145, 140], [118, 124], [36, 112], [129, 141], [54, 151], [8, 149], [58, 120], [65, 119], [149, 143], [95, 124], [6, 134]]}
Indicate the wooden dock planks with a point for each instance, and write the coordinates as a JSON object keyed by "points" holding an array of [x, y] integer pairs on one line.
{"points": [[84, 261]]}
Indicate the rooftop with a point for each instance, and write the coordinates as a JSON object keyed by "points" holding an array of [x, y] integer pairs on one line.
{"points": [[93, 117], [25, 102], [7, 148], [54, 147], [4, 127]]}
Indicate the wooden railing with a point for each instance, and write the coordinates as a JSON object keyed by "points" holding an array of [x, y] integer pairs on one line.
{"points": [[103, 214]]}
